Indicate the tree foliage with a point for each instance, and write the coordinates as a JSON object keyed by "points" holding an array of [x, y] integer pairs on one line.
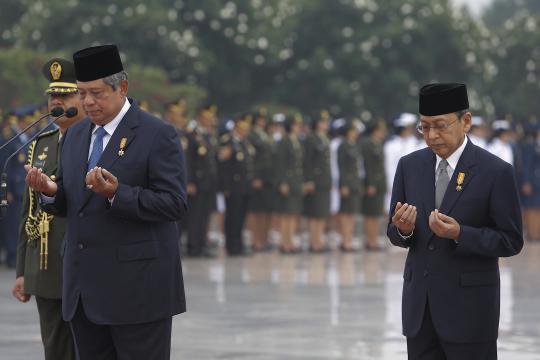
{"points": [[361, 57]]}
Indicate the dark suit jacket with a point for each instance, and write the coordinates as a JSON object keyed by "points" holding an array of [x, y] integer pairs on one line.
{"points": [[460, 281], [122, 261]]}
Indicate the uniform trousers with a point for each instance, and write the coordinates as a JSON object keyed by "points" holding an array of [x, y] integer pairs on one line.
{"points": [[200, 207], [55, 332], [236, 207]]}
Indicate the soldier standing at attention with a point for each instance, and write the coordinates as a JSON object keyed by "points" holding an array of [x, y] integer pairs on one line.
{"points": [[202, 174], [317, 180], [374, 183], [39, 264], [236, 174], [261, 198], [350, 182], [289, 179]]}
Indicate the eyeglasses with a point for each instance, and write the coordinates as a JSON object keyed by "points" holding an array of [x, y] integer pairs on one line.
{"points": [[438, 127]]}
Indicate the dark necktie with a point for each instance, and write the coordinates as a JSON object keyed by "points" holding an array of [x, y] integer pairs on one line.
{"points": [[97, 148]]}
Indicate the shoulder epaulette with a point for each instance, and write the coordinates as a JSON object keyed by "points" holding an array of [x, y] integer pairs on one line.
{"points": [[48, 133]]}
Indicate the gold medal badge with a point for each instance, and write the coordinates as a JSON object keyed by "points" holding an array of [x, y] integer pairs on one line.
{"points": [[460, 178], [123, 143], [202, 151]]}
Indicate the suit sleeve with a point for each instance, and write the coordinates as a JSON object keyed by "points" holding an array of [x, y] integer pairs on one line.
{"points": [[398, 195], [165, 197], [504, 238], [59, 206]]}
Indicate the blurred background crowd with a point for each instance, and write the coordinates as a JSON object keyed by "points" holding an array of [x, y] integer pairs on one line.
{"points": [[301, 109]]}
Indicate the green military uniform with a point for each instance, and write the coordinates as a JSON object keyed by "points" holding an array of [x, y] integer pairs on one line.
{"points": [[201, 165], [349, 158], [288, 170], [236, 175], [261, 200], [373, 156], [317, 171], [39, 251]]}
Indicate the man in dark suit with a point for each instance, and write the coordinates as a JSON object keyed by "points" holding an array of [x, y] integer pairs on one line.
{"points": [[121, 186], [456, 208]]}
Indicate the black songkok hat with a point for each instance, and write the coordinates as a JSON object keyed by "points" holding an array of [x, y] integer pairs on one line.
{"points": [[440, 99], [97, 62], [61, 76]]}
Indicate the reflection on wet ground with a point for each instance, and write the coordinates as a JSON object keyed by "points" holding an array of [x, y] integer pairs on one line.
{"points": [[270, 306]]}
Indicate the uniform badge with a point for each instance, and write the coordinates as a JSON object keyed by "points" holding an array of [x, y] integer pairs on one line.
{"points": [[240, 156], [42, 156], [202, 151], [123, 143], [460, 178], [56, 70]]}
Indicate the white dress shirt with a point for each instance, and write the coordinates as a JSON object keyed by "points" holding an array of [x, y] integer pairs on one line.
{"points": [[109, 128], [452, 160]]}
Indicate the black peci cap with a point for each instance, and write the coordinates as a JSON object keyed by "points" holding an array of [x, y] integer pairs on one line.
{"points": [[443, 98], [97, 62]]}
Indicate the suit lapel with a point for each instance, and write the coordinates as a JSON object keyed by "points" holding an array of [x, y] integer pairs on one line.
{"points": [[427, 185], [465, 165], [111, 153], [80, 158]]}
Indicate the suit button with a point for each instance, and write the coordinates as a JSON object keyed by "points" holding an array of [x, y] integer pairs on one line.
{"points": [[431, 247], [81, 246], [81, 214], [426, 273]]}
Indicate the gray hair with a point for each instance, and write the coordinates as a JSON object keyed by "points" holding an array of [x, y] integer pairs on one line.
{"points": [[460, 113], [114, 79]]}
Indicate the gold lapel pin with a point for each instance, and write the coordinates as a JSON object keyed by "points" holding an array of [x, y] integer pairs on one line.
{"points": [[460, 178], [123, 143]]}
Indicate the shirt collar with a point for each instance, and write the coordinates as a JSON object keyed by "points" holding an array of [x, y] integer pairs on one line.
{"points": [[454, 158], [112, 125]]}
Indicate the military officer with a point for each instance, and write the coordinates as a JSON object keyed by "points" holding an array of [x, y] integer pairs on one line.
{"points": [[350, 182], [175, 114], [236, 175], [201, 164], [289, 182], [317, 180], [374, 182], [39, 265], [261, 197]]}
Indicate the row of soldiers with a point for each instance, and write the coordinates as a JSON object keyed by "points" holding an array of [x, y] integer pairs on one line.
{"points": [[274, 171]]}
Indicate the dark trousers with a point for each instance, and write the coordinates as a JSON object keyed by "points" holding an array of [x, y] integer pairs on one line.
{"points": [[10, 231], [200, 207], [121, 342], [426, 345], [55, 332], [235, 215]]}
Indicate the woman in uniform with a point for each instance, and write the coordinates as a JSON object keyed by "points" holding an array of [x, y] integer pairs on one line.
{"points": [[350, 182], [289, 179], [318, 180]]}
